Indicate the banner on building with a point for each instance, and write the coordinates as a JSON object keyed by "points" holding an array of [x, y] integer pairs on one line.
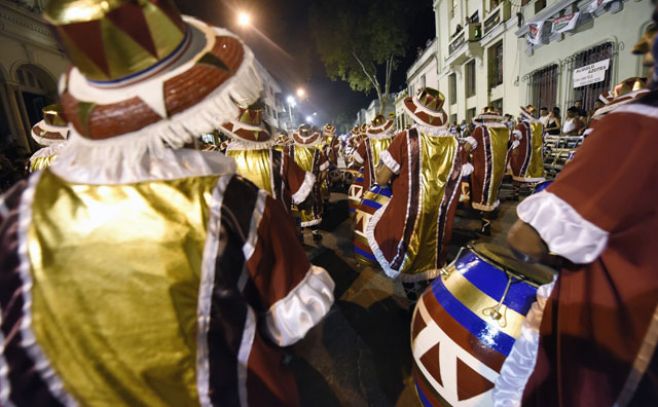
{"points": [[535, 33], [589, 74], [596, 6], [565, 23]]}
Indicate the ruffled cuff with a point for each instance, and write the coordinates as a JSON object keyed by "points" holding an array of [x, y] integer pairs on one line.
{"points": [[472, 141], [388, 160], [304, 191], [325, 166], [356, 157], [520, 363], [290, 318], [467, 169], [515, 144], [564, 231], [517, 134]]}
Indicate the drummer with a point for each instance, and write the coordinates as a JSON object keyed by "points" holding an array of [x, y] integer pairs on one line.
{"points": [[596, 342], [409, 235], [379, 136]]}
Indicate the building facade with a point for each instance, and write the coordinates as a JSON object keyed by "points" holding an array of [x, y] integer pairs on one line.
{"points": [[505, 54], [30, 65], [572, 51]]}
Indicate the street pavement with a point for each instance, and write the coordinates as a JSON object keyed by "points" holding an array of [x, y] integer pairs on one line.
{"points": [[360, 354]]}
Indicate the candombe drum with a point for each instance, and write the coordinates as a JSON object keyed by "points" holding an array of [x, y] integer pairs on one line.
{"points": [[466, 322], [373, 199], [542, 186], [355, 193]]}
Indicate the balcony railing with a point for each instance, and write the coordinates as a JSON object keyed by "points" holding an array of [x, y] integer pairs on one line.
{"points": [[471, 33], [498, 15]]}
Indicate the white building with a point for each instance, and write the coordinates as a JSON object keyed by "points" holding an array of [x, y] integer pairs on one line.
{"points": [[554, 69], [401, 119], [486, 52], [272, 97], [30, 65]]}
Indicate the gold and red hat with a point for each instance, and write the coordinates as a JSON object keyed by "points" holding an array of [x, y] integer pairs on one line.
{"points": [[380, 127], [426, 109], [307, 136], [142, 69], [528, 112], [328, 130], [626, 91], [489, 117], [249, 127], [53, 129]]}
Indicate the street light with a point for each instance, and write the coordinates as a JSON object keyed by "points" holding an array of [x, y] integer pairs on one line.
{"points": [[244, 19], [301, 93], [309, 119], [291, 104]]}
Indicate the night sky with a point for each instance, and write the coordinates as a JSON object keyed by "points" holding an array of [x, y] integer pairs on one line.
{"points": [[280, 40]]}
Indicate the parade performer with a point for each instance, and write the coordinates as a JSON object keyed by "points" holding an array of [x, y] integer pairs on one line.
{"points": [[591, 337], [489, 143], [331, 143], [526, 156], [134, 271], [51, 133], [252, 148], [379, 136], [409, 235], [308, 153]]}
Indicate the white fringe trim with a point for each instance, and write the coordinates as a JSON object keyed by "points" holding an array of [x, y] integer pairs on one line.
{"points": [[289, 319], [528, 179], [387, 159], [467, 169], [305, 190], [472, 141], [213, 247], [434, 131], [5, 385], [29, 341], [486, 208], [374, 246], [519, 365], [63, 131], [311, 223], [180, 129], [246, 344], [49, 151]]}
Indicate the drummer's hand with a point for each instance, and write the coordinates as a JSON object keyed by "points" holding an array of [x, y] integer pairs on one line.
{"points": [[383, 174], [525, 240]]}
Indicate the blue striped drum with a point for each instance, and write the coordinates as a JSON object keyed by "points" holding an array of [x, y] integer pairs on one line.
{"points": [[542, 186], [374, 199], [465, 324], [355, 193]]}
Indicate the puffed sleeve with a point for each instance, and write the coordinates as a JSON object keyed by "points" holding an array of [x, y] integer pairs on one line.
{"points": [[296, 294], [600, 192], [394, 156]]}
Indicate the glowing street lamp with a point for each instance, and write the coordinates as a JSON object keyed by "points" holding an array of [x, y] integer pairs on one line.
{"points": [[244, 19], [309, 119], [291, 104], [301, 93]]}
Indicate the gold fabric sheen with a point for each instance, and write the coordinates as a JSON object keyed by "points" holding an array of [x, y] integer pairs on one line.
{"points": [[437, 158], [305, 159], [377, 146], [482, 304], [116, 272], [499, 137], [254, 165], [536, 165], [41, 163]]}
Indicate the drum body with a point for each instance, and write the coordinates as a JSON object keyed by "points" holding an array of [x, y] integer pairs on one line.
{"points": [[542, 186], [355, 194], [373, 199], [464, 326]]}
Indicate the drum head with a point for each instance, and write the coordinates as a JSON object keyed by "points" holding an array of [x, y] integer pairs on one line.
{"points": [[502, 256]]}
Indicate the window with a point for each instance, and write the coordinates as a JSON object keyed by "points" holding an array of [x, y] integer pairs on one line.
{"points": [[540, 5], [493, 4], [423, 82], [497, 105], [496, 65], [470, 115], [543, 83], [588, 94], [453, 119], [470, 79], [452, 89], [475, 18]]}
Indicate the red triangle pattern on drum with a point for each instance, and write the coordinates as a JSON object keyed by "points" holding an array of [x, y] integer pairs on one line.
{"points": [[418, 325], [431, 362], [469, 382]]}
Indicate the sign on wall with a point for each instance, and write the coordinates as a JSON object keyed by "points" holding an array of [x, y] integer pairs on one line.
{"points": [[589, 74]]}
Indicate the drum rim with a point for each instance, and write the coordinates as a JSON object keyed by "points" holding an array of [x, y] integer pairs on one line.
{"points": [[504, 268]]}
